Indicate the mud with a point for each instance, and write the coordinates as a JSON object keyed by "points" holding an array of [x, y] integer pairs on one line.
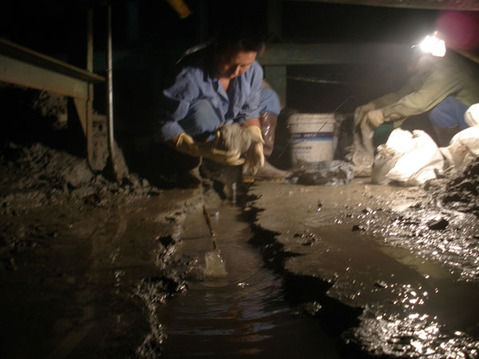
{"points": [[87, 263], [74, 259], [241, 313], [395, 267]]}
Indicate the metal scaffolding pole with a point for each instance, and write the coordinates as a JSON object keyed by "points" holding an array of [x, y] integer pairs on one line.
{"points": [[111, 140]]}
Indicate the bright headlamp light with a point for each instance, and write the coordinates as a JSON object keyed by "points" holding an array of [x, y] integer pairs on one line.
{"points": [[433, 45]]}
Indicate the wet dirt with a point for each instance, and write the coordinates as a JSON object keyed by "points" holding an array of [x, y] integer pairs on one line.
{"points": [[402, 256], [75, 246], [90, 267], [70, 273]]}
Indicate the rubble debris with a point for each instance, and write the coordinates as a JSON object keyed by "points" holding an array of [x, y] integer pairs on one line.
{"points": [[327, 173]]}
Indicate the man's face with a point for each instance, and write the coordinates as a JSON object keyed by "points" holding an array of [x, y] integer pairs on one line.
{"points": [[235, 64]]}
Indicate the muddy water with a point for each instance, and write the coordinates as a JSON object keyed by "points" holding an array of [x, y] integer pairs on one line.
{"points": [[242, 313]]}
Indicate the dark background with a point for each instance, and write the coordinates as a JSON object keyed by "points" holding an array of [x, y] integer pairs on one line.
{"points": [[153, 31], [149, 36]]}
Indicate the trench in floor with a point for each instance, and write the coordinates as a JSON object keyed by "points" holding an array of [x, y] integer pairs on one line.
{"points": [[242, 313]]}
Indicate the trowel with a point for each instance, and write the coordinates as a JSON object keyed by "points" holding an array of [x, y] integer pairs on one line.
{"points": [[214, 264]]}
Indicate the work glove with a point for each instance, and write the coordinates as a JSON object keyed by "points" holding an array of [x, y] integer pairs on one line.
{"points": [[374, 118], [255, 154], [370, 122], [361, 111], [187, 145]]}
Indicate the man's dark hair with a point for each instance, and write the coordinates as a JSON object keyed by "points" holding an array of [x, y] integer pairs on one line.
{"points": [[238, 39]]}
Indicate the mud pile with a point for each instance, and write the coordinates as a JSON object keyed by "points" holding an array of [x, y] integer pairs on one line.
{"points": [[35, 175], [442, 225], [462, 191], [43, 159], [66, 231]]}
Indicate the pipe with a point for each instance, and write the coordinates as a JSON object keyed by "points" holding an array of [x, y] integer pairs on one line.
{"points": [[110, 89]]}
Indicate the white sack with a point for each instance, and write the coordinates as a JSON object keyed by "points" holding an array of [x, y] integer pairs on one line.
{"points": [[416, 157], [472, 115], [463, 148]]}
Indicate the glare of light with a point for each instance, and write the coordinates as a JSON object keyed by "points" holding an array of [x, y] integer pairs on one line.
{"points": [[433, 45]]}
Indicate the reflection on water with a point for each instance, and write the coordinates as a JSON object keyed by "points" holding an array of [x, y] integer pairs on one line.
{"points": [[242, 314]]}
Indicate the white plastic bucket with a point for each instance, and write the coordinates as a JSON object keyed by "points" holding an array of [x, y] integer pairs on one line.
{"points": [[312, 138]]}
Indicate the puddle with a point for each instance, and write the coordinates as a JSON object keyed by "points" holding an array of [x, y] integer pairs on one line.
{"points": [[240, 313], [427, 269]]}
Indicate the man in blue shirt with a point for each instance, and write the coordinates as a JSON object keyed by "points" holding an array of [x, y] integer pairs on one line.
{"points": [[220, 84]]}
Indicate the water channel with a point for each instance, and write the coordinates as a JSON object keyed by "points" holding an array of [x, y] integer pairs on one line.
{"points": [[240, 314]]}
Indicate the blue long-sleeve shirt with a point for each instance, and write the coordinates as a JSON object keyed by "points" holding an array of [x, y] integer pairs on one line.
{"points": [[194, 82]]}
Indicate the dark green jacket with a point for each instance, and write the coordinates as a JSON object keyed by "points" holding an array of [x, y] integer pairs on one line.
{"points": [[452, 75]]}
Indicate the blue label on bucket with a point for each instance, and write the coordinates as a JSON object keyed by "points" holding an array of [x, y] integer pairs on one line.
{"points": [[312, 136]]}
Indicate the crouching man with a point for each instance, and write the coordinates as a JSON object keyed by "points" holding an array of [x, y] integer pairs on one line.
{"points": [[218, 85]]}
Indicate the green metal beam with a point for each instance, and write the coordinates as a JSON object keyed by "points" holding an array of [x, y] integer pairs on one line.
{"points": [[278, 57], [323, 54]]}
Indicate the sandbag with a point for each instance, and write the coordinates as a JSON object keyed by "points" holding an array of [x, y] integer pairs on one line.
{"points": [[463, 148], [407, 158], [472, 115]]}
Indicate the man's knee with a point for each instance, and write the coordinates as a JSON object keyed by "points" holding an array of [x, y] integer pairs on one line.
{"points": [[448, 114], [202, 119], [441, 120]]}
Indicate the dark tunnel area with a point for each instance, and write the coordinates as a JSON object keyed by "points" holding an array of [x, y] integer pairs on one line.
{"points": [[149, 37], [100, 264]]}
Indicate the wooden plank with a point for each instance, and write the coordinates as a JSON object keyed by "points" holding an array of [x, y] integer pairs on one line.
{"points": [[37, 59], [25, 67], [24, 74]]}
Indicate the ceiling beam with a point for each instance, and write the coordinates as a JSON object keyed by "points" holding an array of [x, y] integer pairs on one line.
{"points": [[463, 5]]}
